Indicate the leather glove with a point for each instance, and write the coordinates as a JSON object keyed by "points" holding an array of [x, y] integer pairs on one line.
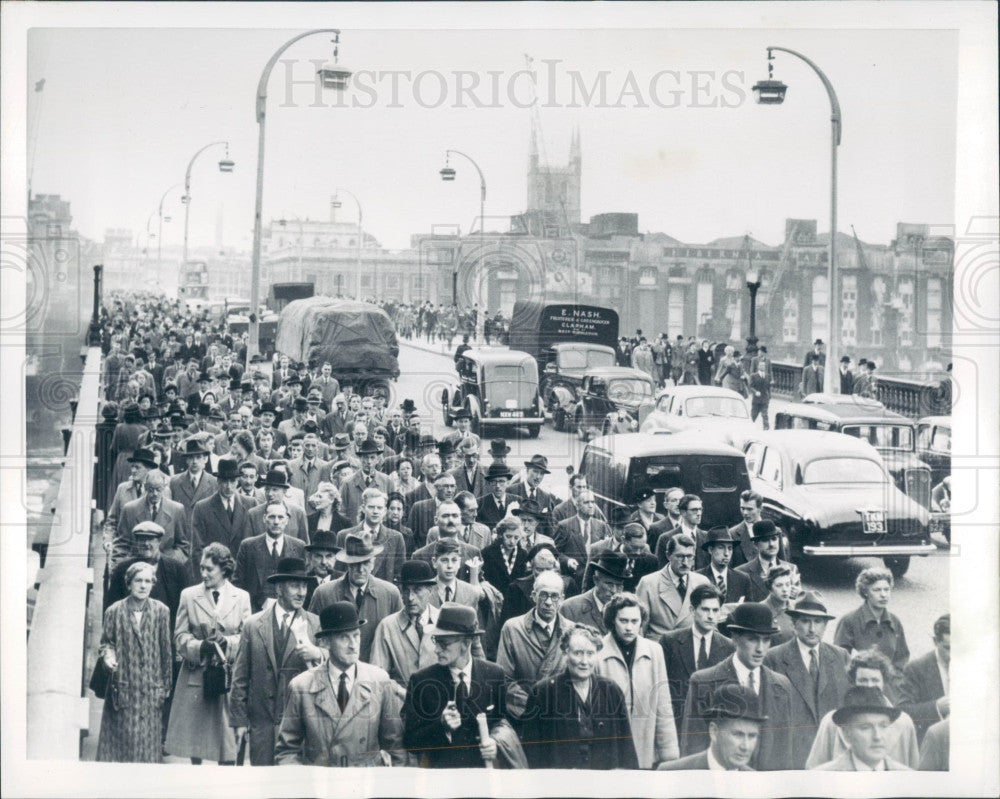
{"points": [[207, 649]]}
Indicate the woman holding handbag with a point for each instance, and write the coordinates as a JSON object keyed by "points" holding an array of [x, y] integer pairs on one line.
{"points": [[135, 646], [207, 634]]}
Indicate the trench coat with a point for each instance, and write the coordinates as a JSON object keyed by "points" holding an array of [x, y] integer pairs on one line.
{"points": [[525, 658], [199, 727], [647, 698]]}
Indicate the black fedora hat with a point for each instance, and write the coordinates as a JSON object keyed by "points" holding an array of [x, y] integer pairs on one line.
{"points": [[229, 469], [530, 507], [369, 447], [204, 377], [751, 617], [193, 446], [323, 541], [446, 447], [291, 380], [340, 617], [145, 457], [735, 701], [290, 569], [462, 413], [718, 535], [633, 530], [163, 430], [417, 572], [619, 516], [764, 529], [496, 471], [863, 699], [235, 385], [613, 565], [408, 405], [539, 462], [499, 448], [267, 407], [358, 549], [455, 619], [275, 478], [203, 409], [810, 605], [341, 441], [300, 404]]}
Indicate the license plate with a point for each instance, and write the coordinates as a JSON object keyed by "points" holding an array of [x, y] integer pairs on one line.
{"points": [[873, 522], [509, 414]]}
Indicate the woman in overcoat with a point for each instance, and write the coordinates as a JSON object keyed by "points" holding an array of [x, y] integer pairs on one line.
{"points": [[135, 645], [636, 665], [706, 363], [578, 719], [124, 442], [211, 614], [779, 586]]}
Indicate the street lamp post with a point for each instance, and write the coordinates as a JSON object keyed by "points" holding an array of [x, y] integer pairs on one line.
{"points": [[448, 174], [225, 165], [772, 92], [753, 284], [331, 76], [159, 235], [336, 203]]}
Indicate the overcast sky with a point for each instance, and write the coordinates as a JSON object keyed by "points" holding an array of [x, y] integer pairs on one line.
{"points": [[676, 136]]}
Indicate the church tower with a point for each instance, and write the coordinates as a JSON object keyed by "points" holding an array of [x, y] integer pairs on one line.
{"points": [[555, 191]]}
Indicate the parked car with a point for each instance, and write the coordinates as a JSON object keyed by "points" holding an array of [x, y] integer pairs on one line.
{"points": [[710, 409], [499, 387], [563, 374], [834, 497], [618, 467], [605, 395], [934, 449], [891, 433]]}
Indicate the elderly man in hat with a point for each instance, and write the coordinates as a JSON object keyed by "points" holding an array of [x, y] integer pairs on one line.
{"points": [[276, 486], [766, 536], [194, 483], [450, 459], [733, 585], [535, 471], [258, 556], [609, 570], [277, 644], [369, 477], [816, 670], [224, 517], [154, 505], [373, 597], [345, 713], [530, 645], [289, 427], [667, 593], [864, 721], [751, 627], [735, 723], [531, 516], [402, 646], [496, 504], [443, 700], [322, 558], [140, 462], [391, 545]]}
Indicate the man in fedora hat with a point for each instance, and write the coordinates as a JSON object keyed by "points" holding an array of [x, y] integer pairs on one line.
{"points": [[495, 505], [535, 471], [296, 418], [734, 729], [402, 646], [499, 450], [733, 585], [140, 462], [276, 486], [368, 454], [462, 420], [864, 721], [223, 517], [277, 644], [194, 483], [766, 536], [374, 598], [258, 556], [816, 670], [156, 506], [390, 543], [532, 517], [751, 627], [620, 518], [322, 551], [609, 570], [345, 713], [443, 700]]}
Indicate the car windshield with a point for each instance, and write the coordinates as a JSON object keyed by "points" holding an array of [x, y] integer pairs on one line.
{"points": [[510, 386], [716, 406], [629, 390], [883, 436], [843, 470]]}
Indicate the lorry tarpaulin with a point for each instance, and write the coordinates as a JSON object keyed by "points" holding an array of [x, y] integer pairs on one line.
{"points": [[536, 326], [355, 337]]}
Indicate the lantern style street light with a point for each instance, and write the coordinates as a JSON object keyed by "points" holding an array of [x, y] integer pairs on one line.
{"points": [[753, 284], [159, 237], [336, 203], [225, 166], [772, 92]]}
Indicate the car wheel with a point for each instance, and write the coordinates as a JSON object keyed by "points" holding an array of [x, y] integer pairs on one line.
{"points": [[534, 430], [476, 425], [898, 566], [559, 419], [445, 413]]}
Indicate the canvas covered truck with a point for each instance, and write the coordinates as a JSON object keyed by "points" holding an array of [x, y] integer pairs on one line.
{"points": [[356, 338]]}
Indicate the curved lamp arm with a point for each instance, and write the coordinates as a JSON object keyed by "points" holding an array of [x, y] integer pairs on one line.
{"points": [[482, 180], [835, 116], [266, 74]]}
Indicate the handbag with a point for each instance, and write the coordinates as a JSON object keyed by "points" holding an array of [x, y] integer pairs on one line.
{"points": [[218, 676], [101, 679]]}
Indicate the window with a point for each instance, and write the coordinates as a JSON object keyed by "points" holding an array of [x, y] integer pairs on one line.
{"points": [[647, 277], [754, 455], [849, 311], [933, 312], [703, 301], [418, 281], [820, 308], [717, 477], [843, 470], [790, 317], [905, 289], [675, 311], [770, 468]]}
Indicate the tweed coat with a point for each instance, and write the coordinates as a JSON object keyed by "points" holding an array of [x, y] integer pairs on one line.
{"points": [[307, 478], [774, 747], [171, 580], [809, 707], [679, 657], [124, 493], [132, 727], [476, 534], [477, 487], [199, 727], [297, 526], [182, 491], [315, 732], [381, 599], [667, 611], [582, 609], [254, 565], [526, 657], [171, 516], [647, 698], [260, 679], [210, 523]]}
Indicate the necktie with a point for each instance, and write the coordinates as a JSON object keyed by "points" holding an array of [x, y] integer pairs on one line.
{"points": [[138, 489], [814, 669], [752, 682], [342, 691], [531, 494], [461, 692], [468, 533], [154, 509], [682, 584], [359, 599], [274, 550], [702, 654], [215, 597], [447, 594], [231, 507], [720, 583], [419, 628]]}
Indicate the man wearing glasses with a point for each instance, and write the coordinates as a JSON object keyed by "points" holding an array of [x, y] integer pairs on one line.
{"points": [[667, 592], [690, 507]]}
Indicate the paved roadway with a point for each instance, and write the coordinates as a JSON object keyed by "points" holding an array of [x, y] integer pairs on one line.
{"points": [[918, 599]]}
